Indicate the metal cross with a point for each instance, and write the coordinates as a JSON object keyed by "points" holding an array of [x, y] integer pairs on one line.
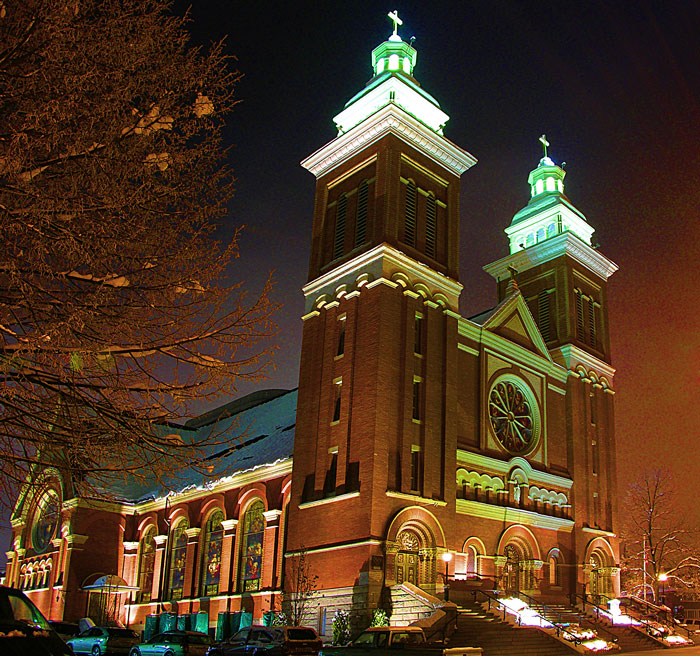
{"points": [[394, 15], [545, 143]]}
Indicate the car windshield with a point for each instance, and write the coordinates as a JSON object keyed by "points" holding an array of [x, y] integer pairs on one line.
{"points": [[366, 638], [301, 634], [17, 608], [121, 633]]}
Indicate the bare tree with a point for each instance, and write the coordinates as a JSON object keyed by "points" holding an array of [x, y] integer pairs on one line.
{"points": [[657, 538], [114, 316], [299, 587]]}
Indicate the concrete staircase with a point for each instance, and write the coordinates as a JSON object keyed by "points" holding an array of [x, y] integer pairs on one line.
{"points": [[479, 628]]}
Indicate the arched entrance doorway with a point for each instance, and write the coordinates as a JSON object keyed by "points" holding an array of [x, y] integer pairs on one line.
{"points": [[600, 571], [512, 569], [518, 560], [407, 557]]}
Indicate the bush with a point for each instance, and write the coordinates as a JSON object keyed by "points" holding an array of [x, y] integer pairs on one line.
{"points": [[379, 617], [341, 627]]}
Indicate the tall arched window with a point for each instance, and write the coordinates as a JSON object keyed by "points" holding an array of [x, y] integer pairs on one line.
{"points": [[410, 218], [339, 238], [252, 547], [553, 569], [178, 558], [147, 558], [361, 220], [211, 554], [46, 520], [472, 569], [430, 225]]}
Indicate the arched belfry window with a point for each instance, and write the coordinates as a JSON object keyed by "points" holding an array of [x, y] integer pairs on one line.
{"points": [[339, 239], [410, 217], [252, 547], [177, 560], [147, 558], [430, 225], [46, 520], [211, 553], [361, 219]]}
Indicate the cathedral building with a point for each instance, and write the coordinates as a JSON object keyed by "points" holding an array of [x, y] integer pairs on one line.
{"points": [[421, 446]]}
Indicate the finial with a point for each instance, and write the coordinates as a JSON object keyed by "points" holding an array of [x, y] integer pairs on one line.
{"points": [[545, 143], [394, 15]]}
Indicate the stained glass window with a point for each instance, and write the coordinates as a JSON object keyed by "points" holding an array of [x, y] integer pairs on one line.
{"points": [[252, 547], [146, 562], [46, 519], [211, 554], [178, 558], [512, 419]]}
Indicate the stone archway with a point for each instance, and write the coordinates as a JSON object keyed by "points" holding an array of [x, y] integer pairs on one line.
{"points": [[600, 571], [518, 561], [413, 541]]}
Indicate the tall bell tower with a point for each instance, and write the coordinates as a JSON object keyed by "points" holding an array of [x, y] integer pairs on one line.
{"points": [[372, 435], [563, 277]]}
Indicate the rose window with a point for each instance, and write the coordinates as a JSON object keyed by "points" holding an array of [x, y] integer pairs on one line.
{"points": [[511, 410], [46, 521]]}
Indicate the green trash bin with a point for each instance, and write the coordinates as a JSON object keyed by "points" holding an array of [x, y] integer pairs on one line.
{"points": [[150, 627]]}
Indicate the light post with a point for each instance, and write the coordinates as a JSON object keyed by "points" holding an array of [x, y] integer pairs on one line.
{"points": [[662, 579], [446, 558]]}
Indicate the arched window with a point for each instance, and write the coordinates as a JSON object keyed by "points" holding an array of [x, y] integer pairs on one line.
{"points": [[178, 558], [211, 554], [430, 225], [410, 218], [553, 569], [147, 558], [46, 520], [361, 219], [472, 569], [252, 547], [339, 239]]}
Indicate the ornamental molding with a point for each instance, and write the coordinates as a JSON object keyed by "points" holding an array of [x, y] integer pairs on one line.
{"points": [[386, 265], [130, 545], [415, 498], [585, 365], [229, 524], [75, 540], [339, 547], [391, 119], [503, 467], [272, 515], [160, 540], [320, 502], [513, 515], [566, 243], [193, 532]]}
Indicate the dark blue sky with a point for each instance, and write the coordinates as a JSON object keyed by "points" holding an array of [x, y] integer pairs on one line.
{"points": [[614, 85]]}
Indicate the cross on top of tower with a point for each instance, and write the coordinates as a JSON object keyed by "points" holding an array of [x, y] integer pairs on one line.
{"points": [[394, 15], [545, 143]]}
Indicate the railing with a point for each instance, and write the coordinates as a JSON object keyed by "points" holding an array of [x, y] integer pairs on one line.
{"points": [[651, 631], [559, 626]]}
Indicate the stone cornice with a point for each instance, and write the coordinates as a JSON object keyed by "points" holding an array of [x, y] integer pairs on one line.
{"points": [[389, 120], [494, 465], [567, 243], [571, 356], [415, 498], [369, 268], [513, 515], [321, 502]]}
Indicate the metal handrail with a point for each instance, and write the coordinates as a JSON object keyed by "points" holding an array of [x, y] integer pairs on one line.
{"points": [[494, 597], [651, 631]]}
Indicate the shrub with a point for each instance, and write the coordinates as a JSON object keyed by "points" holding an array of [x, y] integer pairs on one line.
{"points": [[341, 627]]}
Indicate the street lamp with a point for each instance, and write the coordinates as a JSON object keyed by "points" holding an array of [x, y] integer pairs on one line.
{"points": [[446, 558], [662, 579]]}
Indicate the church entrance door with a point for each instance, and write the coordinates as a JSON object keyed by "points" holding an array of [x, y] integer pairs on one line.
{"points": [[512, 569], [407, 559]]}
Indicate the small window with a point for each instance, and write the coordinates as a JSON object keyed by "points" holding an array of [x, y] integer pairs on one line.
{"points": [[543, 311], [540, 235], [418, 335], [393, 62], [341, 337], [551, 230], [553, 570], [550, 184], [336, 403], [416, 399], [415, 468], [539, 186]]}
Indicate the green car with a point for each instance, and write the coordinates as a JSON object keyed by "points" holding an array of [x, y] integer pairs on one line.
{"points": [[101, 640], [174, 643]]}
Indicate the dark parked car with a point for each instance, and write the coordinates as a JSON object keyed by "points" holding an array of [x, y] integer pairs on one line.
{"points": [[174, 643], [103, 640], [65, 630], [270, 641], [24, 631]]}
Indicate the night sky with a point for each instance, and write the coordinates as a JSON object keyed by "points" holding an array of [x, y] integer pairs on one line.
{"points": [[614, 85], [616, 88]]}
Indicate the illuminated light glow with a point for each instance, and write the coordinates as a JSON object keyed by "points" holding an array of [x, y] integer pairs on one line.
{"points": [[549, 184], [560, 186], [407, 65], [380, 66], [677, 640], [597, 645], [525, 615], [539, 186], [393, 62], [614, 606]]}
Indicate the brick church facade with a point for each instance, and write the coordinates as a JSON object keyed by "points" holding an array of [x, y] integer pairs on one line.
{"points": [[415, 432]]}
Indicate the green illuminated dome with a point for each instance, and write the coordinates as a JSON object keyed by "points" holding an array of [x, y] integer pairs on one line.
{"points": [[549, 212], [393, 83]]}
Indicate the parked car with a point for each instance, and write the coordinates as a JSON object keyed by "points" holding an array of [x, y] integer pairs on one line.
{"points": [[269, 641], [65, 630], [24, 631], [174, 643], [103, 640]]}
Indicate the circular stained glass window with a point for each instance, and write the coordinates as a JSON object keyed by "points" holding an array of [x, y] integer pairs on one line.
{"points": [[513, 416], [46, 521]]}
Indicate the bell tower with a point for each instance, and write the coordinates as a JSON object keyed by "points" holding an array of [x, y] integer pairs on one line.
{"points": [[563, 277], [382, 296]]}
